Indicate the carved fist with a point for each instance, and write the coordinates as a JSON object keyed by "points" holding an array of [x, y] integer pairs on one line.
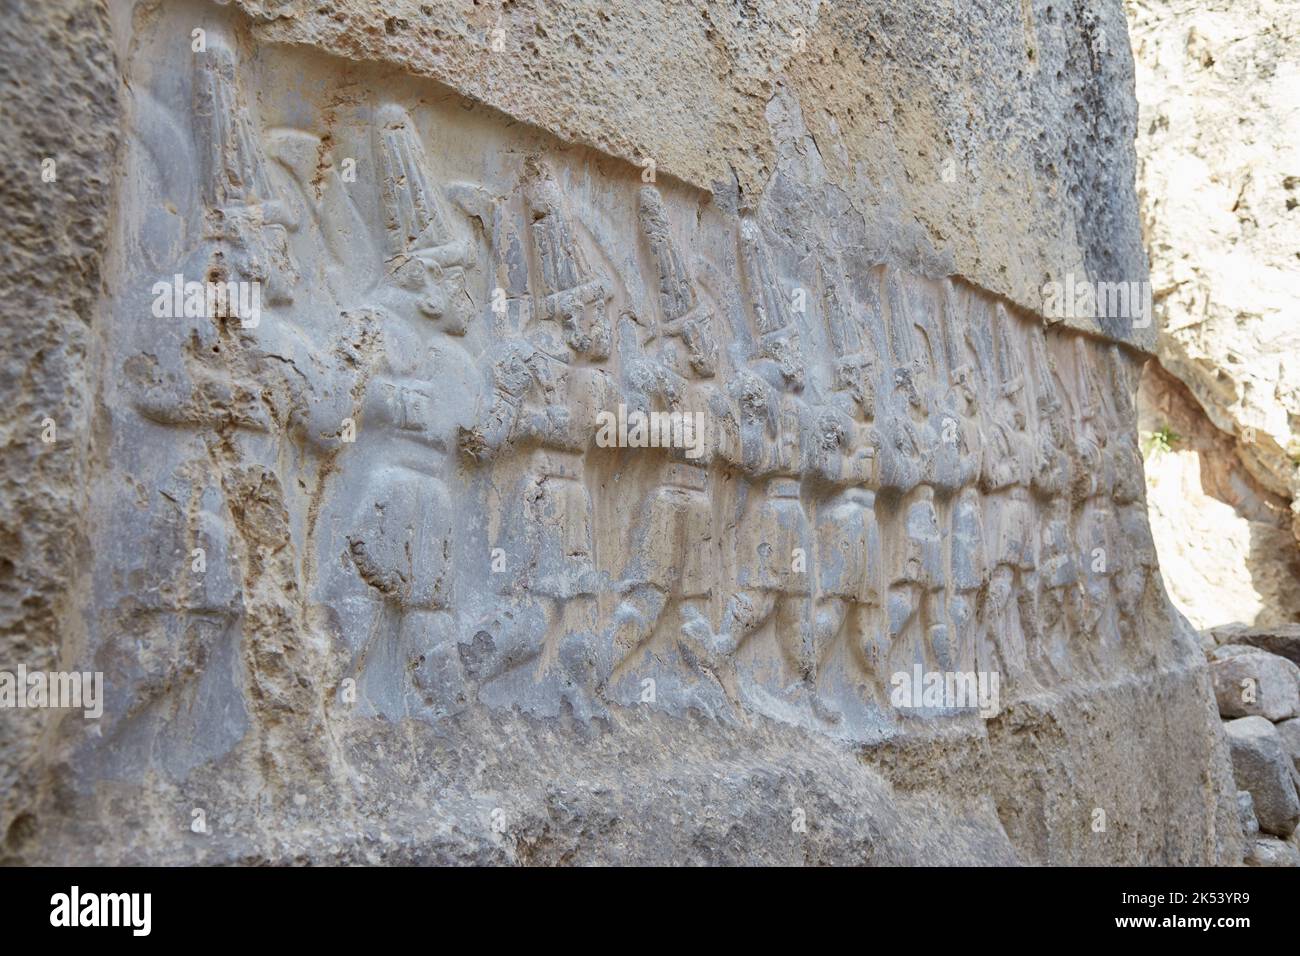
{"points": [[511, 372]]}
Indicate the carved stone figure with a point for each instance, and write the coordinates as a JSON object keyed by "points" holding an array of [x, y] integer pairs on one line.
{"points": [[555, 384], [773, 536], [844, 460], [1097, 530], [916, 604], [962, 453], [1055, 596], [386, 550], [244, 220], [200, 375], [1006, 476], [1138, 565], [673, 559]]}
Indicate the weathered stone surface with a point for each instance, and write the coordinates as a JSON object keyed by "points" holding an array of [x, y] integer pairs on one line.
{"points": [[366, 576], [1270, 851], [1283, 640], [945, 136], [59, 91], [1289, 731], [1260, 765], [1255, 682], [1224, 652], [1246, 810]]}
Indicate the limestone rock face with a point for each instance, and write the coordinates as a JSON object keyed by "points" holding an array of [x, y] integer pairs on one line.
{"points": [[56, 190], [591, 455], [1219, 177]]}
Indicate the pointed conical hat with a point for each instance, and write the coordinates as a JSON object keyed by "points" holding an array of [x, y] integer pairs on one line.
{"points": [[416, 221], [233, 166]]}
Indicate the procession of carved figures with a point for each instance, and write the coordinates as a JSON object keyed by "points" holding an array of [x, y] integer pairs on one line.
{"points": [[401, 465]]}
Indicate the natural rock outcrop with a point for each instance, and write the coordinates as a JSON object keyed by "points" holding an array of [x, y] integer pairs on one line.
{"points": [[1219, 177], [1227, 553], [1219, 185], [503, 442]]}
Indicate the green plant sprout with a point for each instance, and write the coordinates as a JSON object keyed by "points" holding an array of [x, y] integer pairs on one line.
{"points": [[1160, 441]]}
